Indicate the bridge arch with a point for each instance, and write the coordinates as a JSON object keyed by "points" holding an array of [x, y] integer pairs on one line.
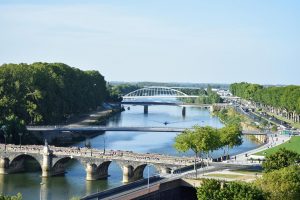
{"points": [[138, 171], [16, 164], [154, 91], [102, 169], [61, 164], [59, 167]]}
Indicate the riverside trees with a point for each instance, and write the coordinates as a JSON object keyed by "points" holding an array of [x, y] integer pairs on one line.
{"points": [[279, 100], [204, 140], [46, 93]]}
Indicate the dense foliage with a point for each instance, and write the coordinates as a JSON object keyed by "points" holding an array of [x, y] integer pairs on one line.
{"points": [[215, 189], [287, 97], [229, 116], [205, 97], [204, 140], [230, 136], [16, 197], [282, 184], [190, 91], [280, 159], [195, 85], [117, 91], [46, 93]]}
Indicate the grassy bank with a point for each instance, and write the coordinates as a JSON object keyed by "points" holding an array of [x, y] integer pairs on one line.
{"points": [[293, 144], [230, 115]]}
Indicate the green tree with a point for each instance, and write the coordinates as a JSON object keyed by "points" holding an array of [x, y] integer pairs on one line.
{"points": [[241, 191], [280, 159], [215, 189], [282, 184], [46, 93], [231, 136], [16, 197], [286, 98], [198, 139], [209, 190], [186, 141]]}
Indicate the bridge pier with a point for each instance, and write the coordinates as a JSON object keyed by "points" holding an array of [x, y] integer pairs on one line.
{"points": [[146, 109], [165, 170], [4, 165], [91, 173], [127, 173], [183, 111], [94, 173], [132, 172]]}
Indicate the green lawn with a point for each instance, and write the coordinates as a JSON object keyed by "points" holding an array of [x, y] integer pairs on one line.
{"points": [[248, 172], [233, 176], [293, 144]]}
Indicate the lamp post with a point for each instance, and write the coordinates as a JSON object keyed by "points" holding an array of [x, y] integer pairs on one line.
{"points": [[20, 135], [148, 166], [103, 144], [148, 175]]}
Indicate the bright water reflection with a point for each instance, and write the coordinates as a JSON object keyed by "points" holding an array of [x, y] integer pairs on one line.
{"points": [[74, 184]]}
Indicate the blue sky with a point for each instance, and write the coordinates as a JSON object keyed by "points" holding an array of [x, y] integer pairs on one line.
{"points": [[153, 40]]}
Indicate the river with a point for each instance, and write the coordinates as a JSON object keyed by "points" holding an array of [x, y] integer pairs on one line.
{"points": [[32, 187]]}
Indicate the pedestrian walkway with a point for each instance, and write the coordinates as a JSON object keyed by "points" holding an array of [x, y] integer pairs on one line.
{"points": [[273, 140]]}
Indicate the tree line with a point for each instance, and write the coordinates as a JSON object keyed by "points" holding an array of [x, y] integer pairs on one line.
{"points": [[117, 91], [283, 100], [205, 96], [46, 93]]}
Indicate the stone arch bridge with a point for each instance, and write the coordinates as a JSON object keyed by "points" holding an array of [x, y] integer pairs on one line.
{"points": [[53, 161]]}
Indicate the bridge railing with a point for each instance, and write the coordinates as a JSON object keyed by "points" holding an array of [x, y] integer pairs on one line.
{"points": [[96, 153], [123, 188]]}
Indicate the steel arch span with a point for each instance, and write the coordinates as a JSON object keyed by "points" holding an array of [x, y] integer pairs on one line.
{"points": [[151, 92]]}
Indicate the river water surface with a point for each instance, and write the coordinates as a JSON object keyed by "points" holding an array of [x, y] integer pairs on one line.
{"points": [[33, 187]]}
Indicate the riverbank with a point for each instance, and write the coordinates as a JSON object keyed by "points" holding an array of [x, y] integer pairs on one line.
{"points": [[96, 117], [66, 138]]}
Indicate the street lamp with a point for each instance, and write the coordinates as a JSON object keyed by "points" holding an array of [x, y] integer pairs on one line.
{"points": [[103, 144], [20, 135], [148, 166], [148, 175]]}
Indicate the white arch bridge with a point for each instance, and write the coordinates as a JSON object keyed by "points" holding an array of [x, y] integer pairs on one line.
{"points": [[145, 96], [157, 92]]}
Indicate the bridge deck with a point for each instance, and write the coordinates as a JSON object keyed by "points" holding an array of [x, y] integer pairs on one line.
{"points": [[118, 155], [119, 128]]}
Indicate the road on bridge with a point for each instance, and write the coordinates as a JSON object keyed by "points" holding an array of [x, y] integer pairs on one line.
{"points": [[121, 128]]}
